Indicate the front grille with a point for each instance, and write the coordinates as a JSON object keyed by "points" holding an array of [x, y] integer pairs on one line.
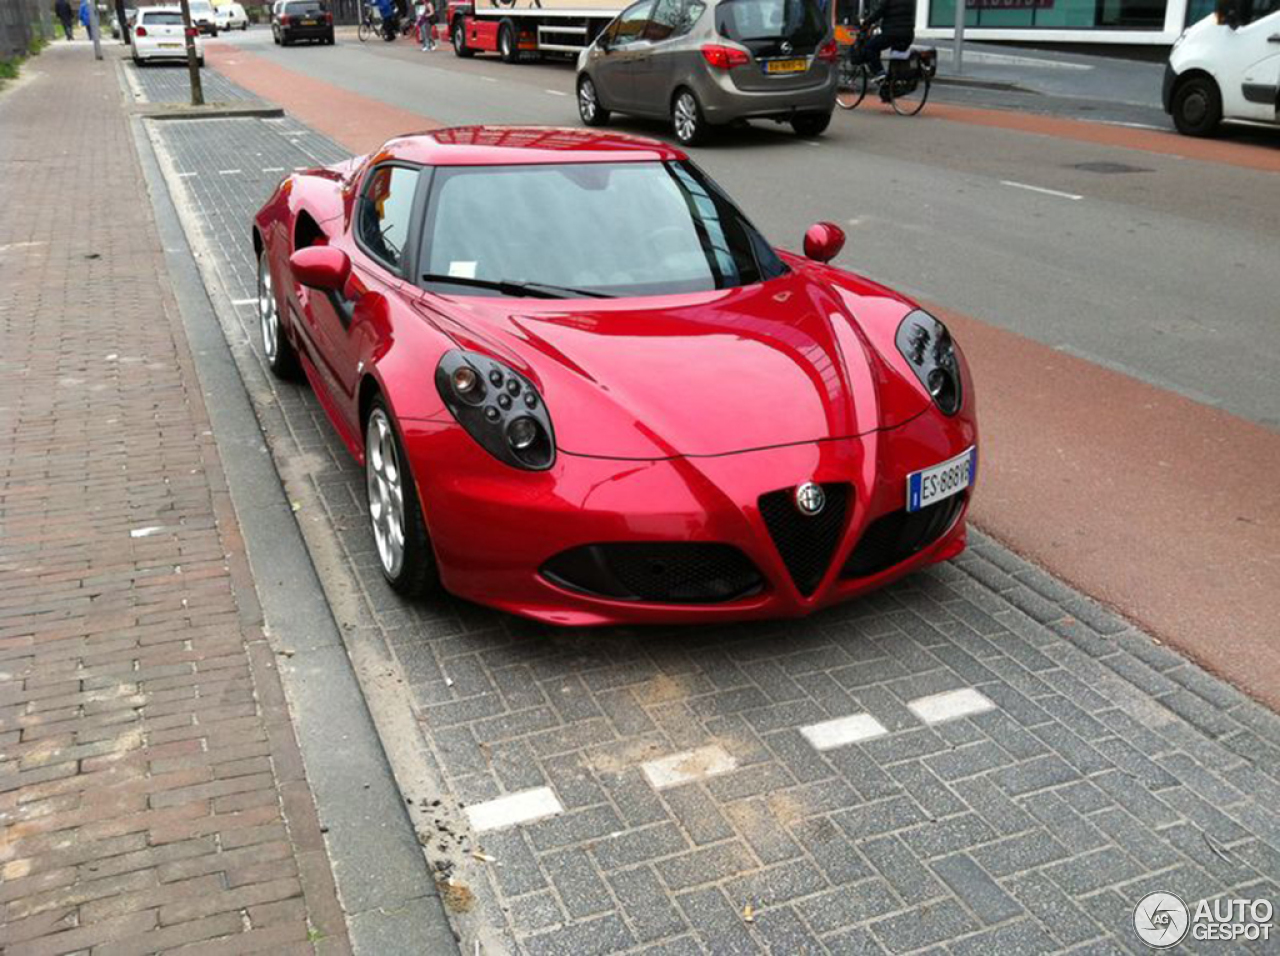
{"points": [[893, 538], [805, 542], [668, 572]]}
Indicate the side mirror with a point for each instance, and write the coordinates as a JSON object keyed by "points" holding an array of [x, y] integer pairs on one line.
{"points": [[321, 267], [823, 241], [603, 42]]}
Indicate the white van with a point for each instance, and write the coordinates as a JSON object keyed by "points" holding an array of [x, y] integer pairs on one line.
{"points": [[1226, 67], [231, 16]]}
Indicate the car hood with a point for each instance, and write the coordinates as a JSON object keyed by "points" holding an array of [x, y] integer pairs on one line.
{"points": [[714, 373]]}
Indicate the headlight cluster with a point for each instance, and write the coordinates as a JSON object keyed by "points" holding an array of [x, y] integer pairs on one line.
{"points": [[498, 407], [926, 345]]}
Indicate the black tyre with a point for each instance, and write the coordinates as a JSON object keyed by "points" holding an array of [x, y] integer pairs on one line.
{"points": [[589, 108], [811, 124], [364, 31], [908, 96], [459, 36], [508, 42], [1197, 107], [395, 515], [276, 347], [687, 121], [851, 88]]}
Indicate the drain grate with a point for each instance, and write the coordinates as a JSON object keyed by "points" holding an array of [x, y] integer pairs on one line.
{"points": [[1110, 168]]}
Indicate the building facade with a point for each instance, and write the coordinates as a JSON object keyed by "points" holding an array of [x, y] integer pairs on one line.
{"points": [[1146, 22]]}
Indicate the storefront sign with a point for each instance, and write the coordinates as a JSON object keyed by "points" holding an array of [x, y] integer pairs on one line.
{"points": [[1008, 4]]}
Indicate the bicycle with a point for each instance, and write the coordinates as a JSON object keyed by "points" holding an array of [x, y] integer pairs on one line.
{"points": [[905, 87], [370, 23]]}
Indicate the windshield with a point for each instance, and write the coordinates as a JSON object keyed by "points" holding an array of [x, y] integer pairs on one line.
{"points": [[200, 9], [799, 21], [612, 228]]}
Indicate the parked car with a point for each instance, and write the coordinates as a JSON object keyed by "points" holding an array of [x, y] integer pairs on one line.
{"points": [[203, 17], [302, 20], [159, 34], [231, 16], [120, 31], [706, 63], [584, 388], [1226, 67]]}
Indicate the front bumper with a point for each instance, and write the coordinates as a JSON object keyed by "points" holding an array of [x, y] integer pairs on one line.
{"points": [[494, 528], [1166, 88]]}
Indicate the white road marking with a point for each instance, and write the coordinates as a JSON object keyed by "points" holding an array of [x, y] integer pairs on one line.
{"points": [[187, 175], [1039, 189], [810, 142], [521, 807], [489, 79], [687, 766], [556, 92], [273, 169], [1162, 129], [244, 301], [146, 532], [842, 731], [950, 705], [229, 172]]}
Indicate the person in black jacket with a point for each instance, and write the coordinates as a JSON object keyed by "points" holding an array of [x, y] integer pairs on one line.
{"points": [[897, 20]]}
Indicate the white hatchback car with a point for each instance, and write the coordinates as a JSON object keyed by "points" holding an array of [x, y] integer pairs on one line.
{"points": [[158, 34], [231, 16]]}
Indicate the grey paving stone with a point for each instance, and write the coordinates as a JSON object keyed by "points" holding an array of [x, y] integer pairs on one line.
{"points": [[576, 826], [1132, 794], [935, 923], [639, 846], [1024, 936], [856, 942], [718, 924], [1065, 921], [978, 758], [576, 881], [875, 819], [534, 912], [1035, 774], [1016, 854], [1068, 827], [976, 889], [698, 813], [1088, 872], [848, 906], [646, 905], [838, 859], [862, 773], [707, 865], [940, 837], [595, 937], [749, 782], [803, 762], [991, 803], [762, 830], [908, 877], [904, 745], [519, 872], [933, 796], [627, 716], [777, 884]]}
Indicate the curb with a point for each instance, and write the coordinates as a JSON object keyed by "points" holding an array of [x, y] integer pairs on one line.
{"points": [[999, 87], [166, 111], [388, 894]]}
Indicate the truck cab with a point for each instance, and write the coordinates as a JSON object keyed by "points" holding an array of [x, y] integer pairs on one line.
{"points": [[1226, 67]]}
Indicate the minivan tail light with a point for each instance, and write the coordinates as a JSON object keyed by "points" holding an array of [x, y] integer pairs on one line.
{"points": [[724, 57], [328, 17], [284, 19], [139, 31], [829, 52]]}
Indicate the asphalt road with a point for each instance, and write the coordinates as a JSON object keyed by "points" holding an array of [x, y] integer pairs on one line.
{"points": [[1165, 272]]}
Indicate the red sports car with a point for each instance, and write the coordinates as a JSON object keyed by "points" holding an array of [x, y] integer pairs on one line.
{"points": [[585, 389]]}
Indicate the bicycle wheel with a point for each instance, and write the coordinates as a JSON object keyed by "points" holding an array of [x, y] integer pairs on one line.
{"points": [[365, 30], [851, 84], [907, 96]]}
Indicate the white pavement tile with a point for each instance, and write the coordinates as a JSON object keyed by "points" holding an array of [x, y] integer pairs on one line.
{"points": [[514, 808], [842, 731], [687, 766], [950, 705]]}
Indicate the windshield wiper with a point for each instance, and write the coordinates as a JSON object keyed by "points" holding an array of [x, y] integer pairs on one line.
{"points": [[538, 290]]}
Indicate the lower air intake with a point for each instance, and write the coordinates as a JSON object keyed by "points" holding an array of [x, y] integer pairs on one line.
{"points": [[662, 572], [805, 542], [893, 538]]}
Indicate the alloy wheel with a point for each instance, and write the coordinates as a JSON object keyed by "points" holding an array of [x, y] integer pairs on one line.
{"points": [[268, 314], [587, 100], [385, 490], [686, 118]]}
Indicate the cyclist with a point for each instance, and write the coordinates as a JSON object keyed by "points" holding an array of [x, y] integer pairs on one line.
{"points": [[897, 21], [390, 18]]}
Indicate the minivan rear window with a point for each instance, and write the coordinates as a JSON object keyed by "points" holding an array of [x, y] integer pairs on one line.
{"points": [[303, 8], [799, 21]]}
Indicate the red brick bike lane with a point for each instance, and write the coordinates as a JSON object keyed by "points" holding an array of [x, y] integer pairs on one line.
{"points": [[1161, 507]]}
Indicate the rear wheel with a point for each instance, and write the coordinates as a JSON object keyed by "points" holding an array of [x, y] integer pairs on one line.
{"points": [[459, 35], [399, 531], [811, 124], [364, 31], [907, 96], [508, 47], [1197, 107], [852, 82], [589, 108], [276, 348], [687, 120]]}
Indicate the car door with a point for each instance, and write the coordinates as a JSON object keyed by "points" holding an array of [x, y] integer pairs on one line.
{"points": [[615, 63], [658, 66], [1259, 41], [381, 242]]}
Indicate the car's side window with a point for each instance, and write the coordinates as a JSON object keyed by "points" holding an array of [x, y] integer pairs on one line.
{"points": [[385, 213], [672, 18], [630, 25], [1260, 9]]}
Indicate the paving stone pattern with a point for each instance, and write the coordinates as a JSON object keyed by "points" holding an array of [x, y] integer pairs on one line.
{"points": [[152, 797], [171, 83], [1110, 767]]}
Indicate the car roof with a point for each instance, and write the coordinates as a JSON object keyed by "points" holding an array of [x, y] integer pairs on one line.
{"points": [[523, 145]]}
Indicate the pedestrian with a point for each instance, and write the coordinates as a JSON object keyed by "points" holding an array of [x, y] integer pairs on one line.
{"points": [[62, 10], [86, 18], [426, 11]]}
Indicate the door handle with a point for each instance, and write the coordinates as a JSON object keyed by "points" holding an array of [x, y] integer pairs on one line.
{"points": [[1274, 38]]}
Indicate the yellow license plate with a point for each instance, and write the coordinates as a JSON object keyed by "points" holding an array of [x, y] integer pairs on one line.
{"points": [[786, 66], [308, 23], [169, 46]]}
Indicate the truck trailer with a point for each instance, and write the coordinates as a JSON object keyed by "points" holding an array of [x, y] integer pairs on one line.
{"points": [[529, 30]]}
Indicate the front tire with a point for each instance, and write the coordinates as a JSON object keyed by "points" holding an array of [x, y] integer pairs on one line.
{"points": [[687, 121], [1197, 107], [459, 35], [395, 517], [276, 348], [811, 124], [589, 108], [508, 47]]}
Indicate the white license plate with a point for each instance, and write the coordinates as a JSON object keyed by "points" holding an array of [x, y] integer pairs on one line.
{"points": [[169, 46], [941, 481]]}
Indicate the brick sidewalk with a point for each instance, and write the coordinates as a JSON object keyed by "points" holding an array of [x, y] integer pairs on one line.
{"points": [[151, 790]]}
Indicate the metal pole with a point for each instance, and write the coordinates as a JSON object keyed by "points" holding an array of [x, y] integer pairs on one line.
{"points": [[95, 34], [193, 60], [958, 40]]}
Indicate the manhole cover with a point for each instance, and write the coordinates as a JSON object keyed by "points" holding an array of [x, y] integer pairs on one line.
{"points": [[1110, 168]]}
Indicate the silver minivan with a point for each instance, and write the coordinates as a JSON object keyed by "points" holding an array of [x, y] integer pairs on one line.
{"points": [[705, 63]]}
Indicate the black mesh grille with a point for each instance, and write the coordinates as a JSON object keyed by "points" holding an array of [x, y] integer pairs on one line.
{"points": [[670, 572], [893, 538], [806, 542]]}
